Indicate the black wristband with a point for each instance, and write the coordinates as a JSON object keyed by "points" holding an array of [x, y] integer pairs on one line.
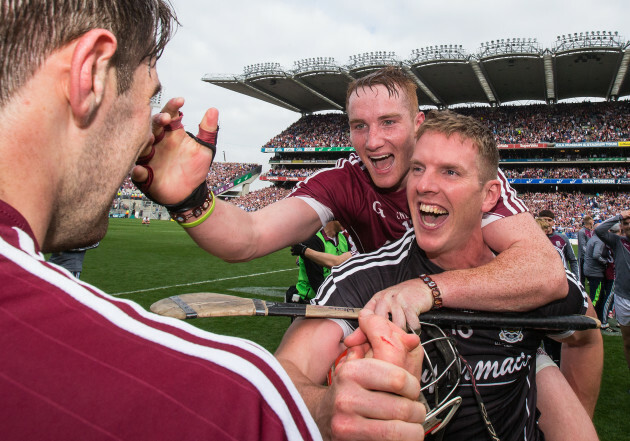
{"points": [[194, 200], [212, 146]]}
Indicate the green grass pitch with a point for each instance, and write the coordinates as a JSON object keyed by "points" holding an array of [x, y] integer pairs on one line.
{"points": [[146, 264]]}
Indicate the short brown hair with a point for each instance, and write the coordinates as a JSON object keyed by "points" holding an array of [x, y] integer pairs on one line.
{"points": [[31, 30], [449, 123], [394, 79]]}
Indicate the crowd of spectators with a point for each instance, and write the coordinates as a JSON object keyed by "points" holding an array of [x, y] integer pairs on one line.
{"points": [[515, 173], [564, 122], [308, 157], [320, 130], [255, 200], [222, 173], [295, 173], [567, 173], [570, 207], [128, 190], [569, 154]]}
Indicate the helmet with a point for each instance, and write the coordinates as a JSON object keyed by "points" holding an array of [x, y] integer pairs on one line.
{"points": [[441, 375]]}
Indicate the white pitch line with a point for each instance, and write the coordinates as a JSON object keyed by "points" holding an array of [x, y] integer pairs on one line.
{"points": [[199, 283]]}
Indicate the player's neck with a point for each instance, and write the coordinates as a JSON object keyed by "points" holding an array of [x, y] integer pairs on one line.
{"points": [[472, 254]]}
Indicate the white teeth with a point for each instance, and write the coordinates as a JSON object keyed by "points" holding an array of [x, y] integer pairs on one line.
{"points": [[432, 209], [376, 158]]}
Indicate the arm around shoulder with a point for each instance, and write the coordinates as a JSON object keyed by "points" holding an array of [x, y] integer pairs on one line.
{"points": [[527, 272]]}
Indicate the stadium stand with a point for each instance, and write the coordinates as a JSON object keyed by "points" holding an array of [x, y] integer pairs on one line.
{"points": [[258, 199]]}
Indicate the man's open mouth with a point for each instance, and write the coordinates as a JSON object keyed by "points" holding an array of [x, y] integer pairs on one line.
{"points": [[432, 216], [382, 162]]}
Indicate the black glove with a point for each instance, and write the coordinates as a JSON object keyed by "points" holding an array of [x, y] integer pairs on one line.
{"points": [[298, 249]]}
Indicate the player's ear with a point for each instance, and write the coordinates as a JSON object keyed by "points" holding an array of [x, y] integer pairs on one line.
{"points": [[492, 192], [419, 119], [89, 70]]}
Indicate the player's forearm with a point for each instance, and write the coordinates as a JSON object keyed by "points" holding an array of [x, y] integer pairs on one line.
{"points": [[229, 233], [518, 279], [312, 394], [602, 229], [235, 235], [325, 259]]}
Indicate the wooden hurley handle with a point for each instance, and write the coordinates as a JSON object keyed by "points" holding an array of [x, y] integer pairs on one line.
{"points": [[208, 304], [315, 311], [203, 304]]}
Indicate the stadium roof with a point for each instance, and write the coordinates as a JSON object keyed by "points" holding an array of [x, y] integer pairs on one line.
{"points": [[588, 64]]}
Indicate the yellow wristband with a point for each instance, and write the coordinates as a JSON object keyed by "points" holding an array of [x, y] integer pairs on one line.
{"points": [[205, 216]]}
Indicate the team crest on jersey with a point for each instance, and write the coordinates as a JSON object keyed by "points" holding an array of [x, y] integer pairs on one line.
{"points": [[511, 335], [376, 206]]}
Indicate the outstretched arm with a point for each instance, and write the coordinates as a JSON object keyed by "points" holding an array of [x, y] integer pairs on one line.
{"points": [[180, 164], [235, 235]]}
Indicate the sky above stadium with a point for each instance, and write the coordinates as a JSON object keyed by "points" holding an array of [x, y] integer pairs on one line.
{"points": [[223, 37]]}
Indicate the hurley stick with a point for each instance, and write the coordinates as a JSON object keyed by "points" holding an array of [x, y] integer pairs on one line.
{"points": [[207, 304]]}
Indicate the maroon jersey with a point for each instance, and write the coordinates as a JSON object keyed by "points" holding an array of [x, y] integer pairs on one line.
{"points": [[79, 364], [373, 216]]}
